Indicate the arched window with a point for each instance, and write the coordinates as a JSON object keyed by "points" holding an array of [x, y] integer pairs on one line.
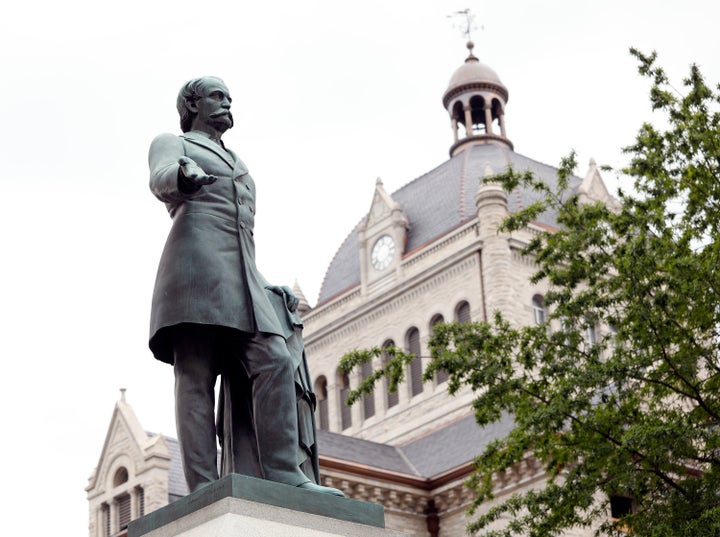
{"points": [[538, 307], [345, 413], [120, 477], [392, 397], [368, 398], [440, 376], [412, 341], [613, 334], [477, 112], [590, 335], [462, 312], [458, 114], [127, 504], [322, 399], [496, 113]]}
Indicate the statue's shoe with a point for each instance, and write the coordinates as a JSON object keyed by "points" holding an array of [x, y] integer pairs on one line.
{"points": [[309, 485]]}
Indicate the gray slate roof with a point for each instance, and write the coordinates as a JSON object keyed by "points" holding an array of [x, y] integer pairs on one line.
{"points": [[432, 454], [439, 451], [453, 445], [441, 200], [177, 486], [374, 454]]}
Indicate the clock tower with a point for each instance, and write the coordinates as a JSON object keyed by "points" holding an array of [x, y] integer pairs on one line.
{"points": [[381, 241]]}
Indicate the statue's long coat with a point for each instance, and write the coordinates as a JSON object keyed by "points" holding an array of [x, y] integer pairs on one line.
{"points": [[207, 275], [207, 271], [235, 422]]}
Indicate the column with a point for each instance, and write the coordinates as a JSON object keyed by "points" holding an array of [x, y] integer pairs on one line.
{"points": [[333, 390], [133, 504], [468, 121], [502, 123], [488, 119], [114, 515]]}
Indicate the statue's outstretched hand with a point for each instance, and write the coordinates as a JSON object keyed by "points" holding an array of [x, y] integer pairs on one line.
{"points": [[291, 301], [194, 173]]}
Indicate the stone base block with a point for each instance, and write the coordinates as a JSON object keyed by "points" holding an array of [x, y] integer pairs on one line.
{"points": [[240, 506]]}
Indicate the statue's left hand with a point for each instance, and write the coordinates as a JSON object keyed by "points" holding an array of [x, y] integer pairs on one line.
{"points": [[291, 301]]}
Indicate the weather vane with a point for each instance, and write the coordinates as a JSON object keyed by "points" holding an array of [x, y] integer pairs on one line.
{"points": [[468, 25]]}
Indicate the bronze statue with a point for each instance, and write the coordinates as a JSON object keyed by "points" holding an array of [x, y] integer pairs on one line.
{"points": [[213, 313]]}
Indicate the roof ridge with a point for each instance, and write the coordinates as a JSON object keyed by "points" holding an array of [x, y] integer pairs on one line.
{"points": [[463, 181], [407, 461]]}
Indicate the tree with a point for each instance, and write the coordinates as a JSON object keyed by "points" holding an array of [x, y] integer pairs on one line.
{"points": [[634, 413]]}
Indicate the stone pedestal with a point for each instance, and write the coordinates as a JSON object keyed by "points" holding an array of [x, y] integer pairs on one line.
{"points": [[241, 506]]}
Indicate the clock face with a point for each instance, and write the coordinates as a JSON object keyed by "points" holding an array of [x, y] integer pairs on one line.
{"points": [[382, 253]]}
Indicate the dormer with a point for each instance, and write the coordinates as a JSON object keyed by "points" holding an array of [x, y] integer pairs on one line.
{"points": [[593, 188], [381, 240]]}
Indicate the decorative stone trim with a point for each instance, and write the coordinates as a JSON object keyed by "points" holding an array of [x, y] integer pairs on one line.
{"points": [[451, 494], [407, 502], [331, 305], [478, 138], [527, 471], [373, 312], [454, 498], [474, 86]]}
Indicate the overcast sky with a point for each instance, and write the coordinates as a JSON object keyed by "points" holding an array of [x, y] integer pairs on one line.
{"points": [[328, 96]]}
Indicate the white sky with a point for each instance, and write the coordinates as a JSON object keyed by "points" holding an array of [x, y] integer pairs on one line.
{"points": [[328, 95]]}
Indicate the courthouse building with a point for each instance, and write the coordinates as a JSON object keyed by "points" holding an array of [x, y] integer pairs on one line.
{"points": [[427, 253]]}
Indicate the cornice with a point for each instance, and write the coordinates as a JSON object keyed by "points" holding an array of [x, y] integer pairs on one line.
{"points": [[478, 139], [418, 482], [470, 86], [410, 494]]}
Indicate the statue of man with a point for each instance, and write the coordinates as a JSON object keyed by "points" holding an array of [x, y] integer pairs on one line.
{"points": [[212, 310]]}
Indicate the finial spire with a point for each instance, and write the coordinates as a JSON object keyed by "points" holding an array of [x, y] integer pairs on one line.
{"points": [[122, 394], [471, 57], [468, 25]]}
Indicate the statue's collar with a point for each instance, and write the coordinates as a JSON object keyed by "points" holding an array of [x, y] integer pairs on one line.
{"points": [[206, 136], [204, 140]]}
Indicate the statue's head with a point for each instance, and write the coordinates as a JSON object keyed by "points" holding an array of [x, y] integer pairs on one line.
{"points": [[195, 90]]}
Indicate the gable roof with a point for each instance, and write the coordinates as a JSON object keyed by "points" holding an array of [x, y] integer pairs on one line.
{"points": [[123, 423]]}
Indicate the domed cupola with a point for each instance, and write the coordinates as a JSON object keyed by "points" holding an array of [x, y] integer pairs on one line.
{"points": [[475, 99]]}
